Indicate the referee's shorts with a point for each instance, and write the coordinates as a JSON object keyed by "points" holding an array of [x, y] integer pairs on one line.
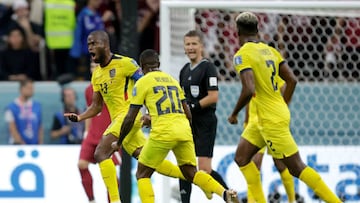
{"points": [[204, 133]]}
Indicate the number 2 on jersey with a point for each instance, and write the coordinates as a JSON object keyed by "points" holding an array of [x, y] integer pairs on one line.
{"points": [[271, 64], [168, 94]]}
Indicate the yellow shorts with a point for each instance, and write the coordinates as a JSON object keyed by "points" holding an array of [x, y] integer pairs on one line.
{"points": [[252, 134], [279, 141], [134, 139], [155, 151], [276, 136]]}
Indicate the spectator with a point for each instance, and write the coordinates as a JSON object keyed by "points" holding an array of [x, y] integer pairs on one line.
{"points": [[5, 16], [87, 21], [148, 24], [24, 118], [59, 28], [17, 61], [67, 132], [21, 18], [110, 11]]}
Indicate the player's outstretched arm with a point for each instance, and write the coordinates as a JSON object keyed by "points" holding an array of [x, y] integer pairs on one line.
{"points": [[290, 80], [247, 90], [91, 111]]}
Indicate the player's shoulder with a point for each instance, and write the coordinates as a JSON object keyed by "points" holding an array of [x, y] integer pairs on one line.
{"points": [[125, 61]]}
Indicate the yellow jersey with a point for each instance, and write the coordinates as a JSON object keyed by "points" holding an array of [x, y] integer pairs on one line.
{"points": [[264, 61], [163, 96], [252, 107], [115, 82]]}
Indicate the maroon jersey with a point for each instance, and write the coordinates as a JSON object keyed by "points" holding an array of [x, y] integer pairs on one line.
{"points": [[99, 123]]}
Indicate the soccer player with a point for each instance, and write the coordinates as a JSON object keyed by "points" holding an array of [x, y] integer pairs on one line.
{"points": [[170, 130], [259, 65], [198, 78], [112, 82], [94, 129], [287, 179]]}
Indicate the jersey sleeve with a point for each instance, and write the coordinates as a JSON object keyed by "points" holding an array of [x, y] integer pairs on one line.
{"points": [[181, 94], [132, 69], [138, 93], [211, 77], [241, 61]]}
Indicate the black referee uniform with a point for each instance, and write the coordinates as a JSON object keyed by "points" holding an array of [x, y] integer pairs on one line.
{"points": [[196, 81]]}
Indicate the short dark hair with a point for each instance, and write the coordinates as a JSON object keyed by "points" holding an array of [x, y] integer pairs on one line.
{"points": [[101, 35], [194, 33], [23, 83], [150, 57], [247, 23]]}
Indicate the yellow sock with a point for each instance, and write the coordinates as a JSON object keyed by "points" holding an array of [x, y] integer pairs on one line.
{"points": [[288, 182], [208, 183], [314, 181], [250, 197], [145, 189], [252, 177], [167, 168], [108, 173]]}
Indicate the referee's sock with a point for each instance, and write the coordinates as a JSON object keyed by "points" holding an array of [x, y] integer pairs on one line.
{"points": [[167, 168], [314, 181], [218, 178], [185, 190], [252, 177]]}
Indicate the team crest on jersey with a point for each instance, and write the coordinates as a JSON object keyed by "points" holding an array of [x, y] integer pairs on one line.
{"points": [[112, 72], [237, 60], [194, 90]]}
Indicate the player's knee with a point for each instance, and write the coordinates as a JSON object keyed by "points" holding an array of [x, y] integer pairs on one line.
{"points": [[241, 160], [188, 171], [99, 155]]}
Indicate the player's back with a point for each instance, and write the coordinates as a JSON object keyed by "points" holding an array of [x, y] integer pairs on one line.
{"points": [[115, 84], [162, 96], [264, 61]]}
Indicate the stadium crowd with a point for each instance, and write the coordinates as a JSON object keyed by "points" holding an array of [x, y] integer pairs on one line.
{"points": [[42, 40]]}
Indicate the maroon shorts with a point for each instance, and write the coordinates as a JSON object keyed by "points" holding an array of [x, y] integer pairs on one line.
{"points": [[88, 149]]}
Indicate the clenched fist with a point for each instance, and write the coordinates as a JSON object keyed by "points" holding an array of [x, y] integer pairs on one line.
{"points": [[72, 117]]}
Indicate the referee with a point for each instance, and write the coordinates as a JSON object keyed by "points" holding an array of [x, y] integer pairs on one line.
{"points": [[198, 78]]}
